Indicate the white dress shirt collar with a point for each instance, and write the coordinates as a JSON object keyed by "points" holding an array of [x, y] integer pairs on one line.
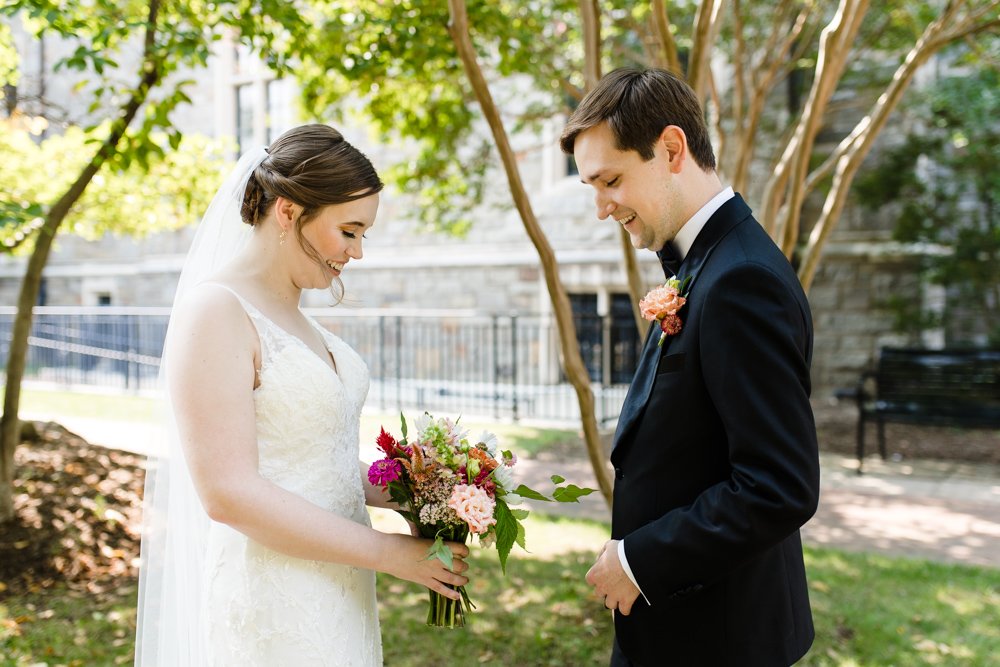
{"points": [[689, 232]]}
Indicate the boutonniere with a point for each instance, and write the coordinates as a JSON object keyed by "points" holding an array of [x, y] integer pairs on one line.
{"points": [[662, 304]]}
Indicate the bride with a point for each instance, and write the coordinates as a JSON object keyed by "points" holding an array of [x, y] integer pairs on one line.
{"points": [[257, 547]]}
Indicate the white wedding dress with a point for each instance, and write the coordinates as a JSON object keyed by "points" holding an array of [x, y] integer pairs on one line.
{"points": [[263, 607]]}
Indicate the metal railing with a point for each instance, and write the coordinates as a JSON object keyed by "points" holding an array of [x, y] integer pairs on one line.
{"points": [[500, 366]]}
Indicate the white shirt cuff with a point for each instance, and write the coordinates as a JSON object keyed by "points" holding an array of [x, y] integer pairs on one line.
{"points": [[628, 570]]}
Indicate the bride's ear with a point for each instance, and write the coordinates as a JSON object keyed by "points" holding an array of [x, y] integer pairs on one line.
{"points": [[286, 211]]}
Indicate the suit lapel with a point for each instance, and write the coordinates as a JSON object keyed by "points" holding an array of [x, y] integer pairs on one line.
{"points": [[721, 223], [642, 383]]}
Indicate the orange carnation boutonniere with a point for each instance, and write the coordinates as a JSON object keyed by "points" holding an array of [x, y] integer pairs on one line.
{"points": [[662, 304]]}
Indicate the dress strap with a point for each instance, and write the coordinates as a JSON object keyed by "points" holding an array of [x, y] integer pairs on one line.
{"points": [[270, 334], [247, 306]]}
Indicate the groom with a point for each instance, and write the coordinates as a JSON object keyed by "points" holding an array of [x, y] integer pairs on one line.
{"points": [[715, 457]]}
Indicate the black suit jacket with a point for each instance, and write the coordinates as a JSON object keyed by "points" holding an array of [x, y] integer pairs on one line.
{"points": [[716, 462]]}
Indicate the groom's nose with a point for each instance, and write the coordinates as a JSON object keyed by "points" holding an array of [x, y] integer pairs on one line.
{"points": [[605, 206]]}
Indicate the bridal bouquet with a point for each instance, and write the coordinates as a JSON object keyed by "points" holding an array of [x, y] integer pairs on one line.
{"points": [[452, 486]]}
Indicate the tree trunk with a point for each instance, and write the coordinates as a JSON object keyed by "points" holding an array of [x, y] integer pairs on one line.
{"points": [[939, 33], [706, 29], [835, 47], [667, 43], [10, 425], [764, 76], [590, 13], [573, 365]]}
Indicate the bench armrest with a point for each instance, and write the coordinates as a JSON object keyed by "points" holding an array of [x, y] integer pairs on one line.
{"points": [[857, 392]]}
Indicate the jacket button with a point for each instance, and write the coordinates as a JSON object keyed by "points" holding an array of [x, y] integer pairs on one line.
{"points": [[619, 474]]}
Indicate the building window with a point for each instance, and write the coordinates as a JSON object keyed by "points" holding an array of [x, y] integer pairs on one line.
{"points": [[244, 116], [615, 332], [280, 108], [588, 332], [625, 342]]}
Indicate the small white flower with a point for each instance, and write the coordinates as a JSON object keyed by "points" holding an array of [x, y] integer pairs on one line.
{"points": [[422, 422], [489, 441], [504, 477], [513, 499]]}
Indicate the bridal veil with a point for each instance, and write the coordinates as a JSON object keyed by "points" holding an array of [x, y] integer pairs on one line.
{"points": [[170, 628]]}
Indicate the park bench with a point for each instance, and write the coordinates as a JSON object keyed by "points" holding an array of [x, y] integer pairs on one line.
{"points": [[959, 387]]}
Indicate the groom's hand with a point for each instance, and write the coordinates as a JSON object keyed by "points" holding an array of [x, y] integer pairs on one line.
{"points": [[609, 580]]}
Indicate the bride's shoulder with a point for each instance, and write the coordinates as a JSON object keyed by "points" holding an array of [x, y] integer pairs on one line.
{"points": [[208, 305]]}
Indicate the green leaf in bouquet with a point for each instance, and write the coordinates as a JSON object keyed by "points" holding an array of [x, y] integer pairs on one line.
{"points": [[570, 493], [520, 536], [556, 479], [399, 494], [526, 492], [520, 514], [440, 551], [507, 529], [402, 424]]}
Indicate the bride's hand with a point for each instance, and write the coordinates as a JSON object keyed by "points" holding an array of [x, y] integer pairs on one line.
{"points": [[406, 558]]}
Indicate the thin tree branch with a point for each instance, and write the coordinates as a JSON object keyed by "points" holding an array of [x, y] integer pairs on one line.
{"points": [[668, 45], [576, 371]]}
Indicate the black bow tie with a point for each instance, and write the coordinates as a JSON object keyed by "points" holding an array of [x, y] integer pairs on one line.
{"points": [[669, 260]]}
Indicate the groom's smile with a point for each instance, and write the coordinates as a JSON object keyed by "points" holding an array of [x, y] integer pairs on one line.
{"points": [[619, 176], [624, 222]]}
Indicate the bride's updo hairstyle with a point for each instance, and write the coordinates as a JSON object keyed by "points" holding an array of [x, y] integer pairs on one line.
{"points": [[313, 166]]}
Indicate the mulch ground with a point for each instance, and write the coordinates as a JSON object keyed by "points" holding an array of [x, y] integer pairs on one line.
{"points": [[79, 506], [836, 426], [78, 510]]}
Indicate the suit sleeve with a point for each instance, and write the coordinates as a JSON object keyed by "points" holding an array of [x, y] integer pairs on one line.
{"points": [[755, 343]]}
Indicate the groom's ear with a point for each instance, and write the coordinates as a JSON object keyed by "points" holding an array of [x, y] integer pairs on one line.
{"points": [[673, 143]]}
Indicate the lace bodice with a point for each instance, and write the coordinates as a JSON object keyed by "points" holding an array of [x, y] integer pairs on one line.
{"points": [[308, 418], [266, 608]]}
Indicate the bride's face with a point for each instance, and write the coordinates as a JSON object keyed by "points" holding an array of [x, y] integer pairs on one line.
{"points": [[336, 235]]}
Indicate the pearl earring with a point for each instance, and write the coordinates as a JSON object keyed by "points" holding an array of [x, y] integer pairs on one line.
{"points": [[281, 237]]}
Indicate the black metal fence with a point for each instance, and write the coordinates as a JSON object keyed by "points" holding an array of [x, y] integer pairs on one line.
{"points": [[101, 346], [501, 366]]}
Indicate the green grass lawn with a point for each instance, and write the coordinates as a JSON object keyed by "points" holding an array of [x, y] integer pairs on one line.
{"points": [[51, 404], [868, 610]]}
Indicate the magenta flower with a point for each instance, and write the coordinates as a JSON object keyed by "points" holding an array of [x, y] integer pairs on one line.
{"points": [[384, 471]]}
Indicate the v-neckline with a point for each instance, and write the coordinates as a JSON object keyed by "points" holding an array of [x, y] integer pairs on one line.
{"points": [[331, 365]]}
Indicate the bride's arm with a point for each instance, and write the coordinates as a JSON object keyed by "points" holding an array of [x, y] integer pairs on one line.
{"points": [[210, 379]]}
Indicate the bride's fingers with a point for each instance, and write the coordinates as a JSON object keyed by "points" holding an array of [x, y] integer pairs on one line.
{"points": [[458, 550], [441, 589], [447, 577]]}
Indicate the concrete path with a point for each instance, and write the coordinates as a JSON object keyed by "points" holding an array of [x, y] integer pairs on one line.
{"points": [[948, 512]]}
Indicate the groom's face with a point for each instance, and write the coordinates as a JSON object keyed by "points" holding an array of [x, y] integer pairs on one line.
{"points": [[640, 195]]}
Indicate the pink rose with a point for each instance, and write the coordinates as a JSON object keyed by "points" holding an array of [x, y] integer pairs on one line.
{"points": [[473, 506]]}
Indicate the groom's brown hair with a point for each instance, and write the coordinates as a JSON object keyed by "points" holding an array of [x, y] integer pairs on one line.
{"points": [[637, 105]]}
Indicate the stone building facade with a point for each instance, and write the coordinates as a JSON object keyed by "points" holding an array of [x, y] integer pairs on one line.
{"points": [[495, 269]]}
